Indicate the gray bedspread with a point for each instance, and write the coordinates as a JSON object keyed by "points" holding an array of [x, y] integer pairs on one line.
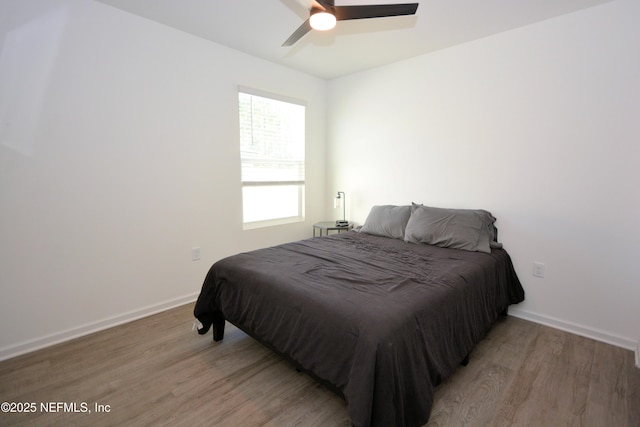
{"points": [[382, 320]]}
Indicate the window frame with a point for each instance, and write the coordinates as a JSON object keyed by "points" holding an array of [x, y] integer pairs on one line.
{"points": [[301, 184]]}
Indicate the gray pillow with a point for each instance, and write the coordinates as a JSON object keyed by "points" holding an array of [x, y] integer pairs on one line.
{"points": [[467, 229], [387, 221]]}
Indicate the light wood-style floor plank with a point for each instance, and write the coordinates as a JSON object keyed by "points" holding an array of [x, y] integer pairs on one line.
{"points": [[157, 371]]}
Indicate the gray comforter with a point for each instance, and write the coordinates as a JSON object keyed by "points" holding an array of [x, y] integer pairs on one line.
{"points": [[382, 320]]}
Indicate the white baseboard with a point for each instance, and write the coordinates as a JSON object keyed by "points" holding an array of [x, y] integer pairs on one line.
{"points": [[577, 329], [59, 337], [89, 328]]}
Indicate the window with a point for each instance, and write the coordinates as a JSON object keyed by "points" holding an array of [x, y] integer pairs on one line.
{"points": [[272, 139]]}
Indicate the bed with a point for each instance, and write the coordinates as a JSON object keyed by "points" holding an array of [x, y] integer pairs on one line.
{"points": [[381, 315]]}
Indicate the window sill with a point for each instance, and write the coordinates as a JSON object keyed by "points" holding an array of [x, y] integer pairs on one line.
{"points": [[271, 222]]}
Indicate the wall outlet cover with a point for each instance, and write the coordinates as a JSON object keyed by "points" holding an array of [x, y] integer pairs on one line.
{"points": [[538, 269]]}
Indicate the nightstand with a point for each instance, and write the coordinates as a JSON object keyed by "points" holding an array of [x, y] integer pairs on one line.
{"points": [[326, 226]]}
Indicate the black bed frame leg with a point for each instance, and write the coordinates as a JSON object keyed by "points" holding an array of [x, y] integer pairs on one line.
{"points": [[465, 361], [218, 327]]}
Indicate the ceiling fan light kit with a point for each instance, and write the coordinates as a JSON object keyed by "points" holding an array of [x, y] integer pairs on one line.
{"points": [[324, 14], [321, 20]]}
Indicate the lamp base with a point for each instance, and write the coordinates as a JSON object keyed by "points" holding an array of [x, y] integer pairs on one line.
{"points": [[342, 223]]}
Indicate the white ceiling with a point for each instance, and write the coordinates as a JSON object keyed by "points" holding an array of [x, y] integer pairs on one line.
{"points": [[259, 27]]}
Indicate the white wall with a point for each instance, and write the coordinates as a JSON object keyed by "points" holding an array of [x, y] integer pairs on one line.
{"points": [[118, 153], [541, 126]]}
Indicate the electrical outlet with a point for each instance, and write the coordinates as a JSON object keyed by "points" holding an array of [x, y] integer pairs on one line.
{"points": [[538, 269], [195, 254]]}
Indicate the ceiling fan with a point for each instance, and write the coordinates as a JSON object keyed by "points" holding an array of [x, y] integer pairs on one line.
{"points": [[324, 14]]}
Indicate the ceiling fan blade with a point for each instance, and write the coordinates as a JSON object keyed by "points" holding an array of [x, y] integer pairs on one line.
{"points": [[297, 34], [324, 4], [343, 13]]}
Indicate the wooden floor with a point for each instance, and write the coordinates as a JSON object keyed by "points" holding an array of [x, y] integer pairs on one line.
{"points": [[157, 371]]}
